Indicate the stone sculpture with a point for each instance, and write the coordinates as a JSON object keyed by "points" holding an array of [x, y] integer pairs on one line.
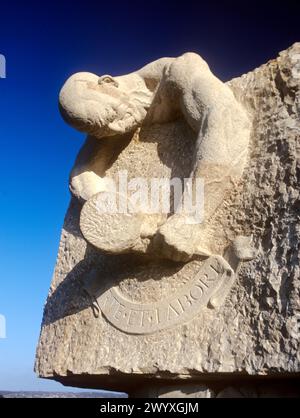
{"points": [[161, 92], [140, 297]]}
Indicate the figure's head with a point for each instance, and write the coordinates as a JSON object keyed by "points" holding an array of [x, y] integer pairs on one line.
{"points": [[104, 106]]}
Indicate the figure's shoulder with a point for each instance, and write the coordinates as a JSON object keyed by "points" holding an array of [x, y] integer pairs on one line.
{"points": [[185, 63], [190, 61]]}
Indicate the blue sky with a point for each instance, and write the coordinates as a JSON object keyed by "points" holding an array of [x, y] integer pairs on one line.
{"points": [[44, 44]]}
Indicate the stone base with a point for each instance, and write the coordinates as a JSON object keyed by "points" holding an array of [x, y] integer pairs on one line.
{"points": [[225, 388]]}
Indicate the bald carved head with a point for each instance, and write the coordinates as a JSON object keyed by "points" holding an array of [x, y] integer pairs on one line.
{"points": [[104, 106]]}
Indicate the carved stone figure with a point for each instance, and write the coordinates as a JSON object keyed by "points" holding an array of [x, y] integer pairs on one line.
{"points": [[141, 297], [109, 107]]}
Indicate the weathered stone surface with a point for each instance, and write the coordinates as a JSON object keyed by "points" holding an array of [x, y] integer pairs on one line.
{"points": [[255, 330], [112, 232]]}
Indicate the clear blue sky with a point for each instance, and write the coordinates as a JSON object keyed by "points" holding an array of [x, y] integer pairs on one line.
{"points": [[44, 43]]}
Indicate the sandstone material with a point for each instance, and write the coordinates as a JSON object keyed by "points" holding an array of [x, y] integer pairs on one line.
{"points": [[254, 329]]}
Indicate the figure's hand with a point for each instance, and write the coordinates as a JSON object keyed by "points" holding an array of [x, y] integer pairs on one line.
{"points": [[177, 239]]}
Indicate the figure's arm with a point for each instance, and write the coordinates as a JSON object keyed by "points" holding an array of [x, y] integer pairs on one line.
{"points": [[152, 73], [221, 124], [87, 177], [223, 132]]}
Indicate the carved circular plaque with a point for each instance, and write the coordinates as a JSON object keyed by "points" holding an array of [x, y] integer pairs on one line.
{"points": [[105, 228]]}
